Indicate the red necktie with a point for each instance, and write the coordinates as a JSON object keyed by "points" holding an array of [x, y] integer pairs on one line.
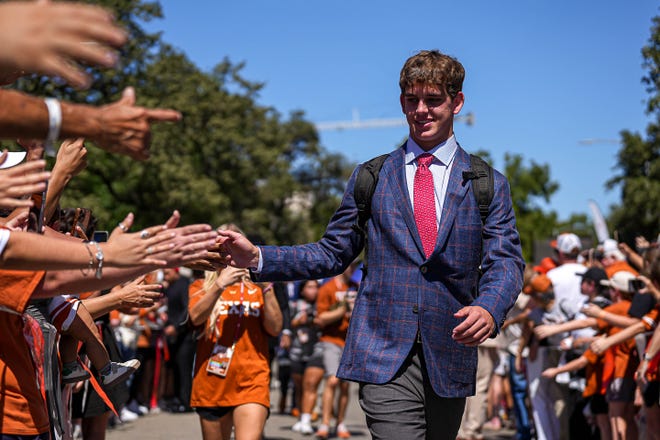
{"points": [[424, 203]]}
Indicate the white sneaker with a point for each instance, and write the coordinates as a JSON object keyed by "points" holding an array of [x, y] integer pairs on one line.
{"points": [[77, 431], [75, 374], [126, 415], [303, 428], [119, 372]]}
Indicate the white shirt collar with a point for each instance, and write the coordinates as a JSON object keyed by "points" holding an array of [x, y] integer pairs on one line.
{"points": [[442, 152]]}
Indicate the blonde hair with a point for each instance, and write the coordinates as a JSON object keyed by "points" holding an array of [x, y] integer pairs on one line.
{"points": [[211, 329]]}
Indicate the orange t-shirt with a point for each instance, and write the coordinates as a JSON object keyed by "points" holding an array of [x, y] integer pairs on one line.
{"points": [[22, 408], [248, 376], [618, 360], [330, 294], [619, 266], [593, 374], [144, 338]]}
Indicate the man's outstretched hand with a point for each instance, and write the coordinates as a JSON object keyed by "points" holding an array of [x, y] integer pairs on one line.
{"points": [[236, 250]]}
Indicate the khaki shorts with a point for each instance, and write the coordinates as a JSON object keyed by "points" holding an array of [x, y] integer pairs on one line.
{"points": [[331, 357]]}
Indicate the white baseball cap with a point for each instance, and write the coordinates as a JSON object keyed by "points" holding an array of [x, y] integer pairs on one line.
{"points": [[568, 242], [620, 281], [611, 249]]}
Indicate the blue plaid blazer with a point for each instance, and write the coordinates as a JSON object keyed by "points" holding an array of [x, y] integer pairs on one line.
{"points": [[403, 290]]}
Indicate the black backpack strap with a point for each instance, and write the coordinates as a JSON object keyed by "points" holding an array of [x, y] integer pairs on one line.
{"points": [[365, 185], [483, 185]]}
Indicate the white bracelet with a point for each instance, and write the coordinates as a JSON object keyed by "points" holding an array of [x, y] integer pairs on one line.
{"points": [[54, 124]]}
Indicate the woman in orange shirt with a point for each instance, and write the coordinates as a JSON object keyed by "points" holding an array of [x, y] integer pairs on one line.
{"points": [[231, 373]]}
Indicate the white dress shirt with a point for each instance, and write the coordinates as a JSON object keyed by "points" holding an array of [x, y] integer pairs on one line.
{"points": [[443, 158]]}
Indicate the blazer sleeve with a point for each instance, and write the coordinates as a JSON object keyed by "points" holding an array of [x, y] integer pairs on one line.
{"points": [[330, 256], [502, 263]]}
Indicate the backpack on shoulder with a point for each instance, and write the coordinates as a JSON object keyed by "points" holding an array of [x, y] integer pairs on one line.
{"points": [[480, 173]]}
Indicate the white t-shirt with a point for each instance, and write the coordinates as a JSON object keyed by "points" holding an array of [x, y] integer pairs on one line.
{"points": [[568, 295], [566, 283]]}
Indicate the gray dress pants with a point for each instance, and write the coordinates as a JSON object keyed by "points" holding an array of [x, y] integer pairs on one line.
{"points": [[407, 407]]}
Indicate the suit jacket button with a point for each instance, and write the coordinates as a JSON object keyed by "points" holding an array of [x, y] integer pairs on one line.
{"points": [[415, 309], [424, 269]]}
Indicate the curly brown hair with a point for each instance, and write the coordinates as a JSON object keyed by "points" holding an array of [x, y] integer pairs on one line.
{"points": [[433, 67]]}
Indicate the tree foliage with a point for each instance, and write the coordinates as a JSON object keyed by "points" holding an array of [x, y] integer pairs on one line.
{"points": [[529, 185], [532, 186], [639, 160], [229, 160]]}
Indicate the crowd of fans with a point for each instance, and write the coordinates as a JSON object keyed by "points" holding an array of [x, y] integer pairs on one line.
{"points": [[578, 355], [60, 278], [100, 329]]}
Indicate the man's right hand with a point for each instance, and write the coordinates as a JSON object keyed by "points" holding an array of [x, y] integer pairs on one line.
{"points": [[237, 250]]}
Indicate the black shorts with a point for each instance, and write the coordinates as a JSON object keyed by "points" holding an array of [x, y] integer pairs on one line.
{"points": [[651, 394], [299, 367], [213, 413], [598, 404], [621, 389]]}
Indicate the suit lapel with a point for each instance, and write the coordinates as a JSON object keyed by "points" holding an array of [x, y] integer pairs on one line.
{"points": [[457, 188], [403, 203]]}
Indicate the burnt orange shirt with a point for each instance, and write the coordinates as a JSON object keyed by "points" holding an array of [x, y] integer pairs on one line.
{"points": [[330, 294], [593, 374], [248, 376], [22, 408], [618, 360], [619, 266]]}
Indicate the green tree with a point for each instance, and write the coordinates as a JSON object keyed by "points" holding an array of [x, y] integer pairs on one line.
{"points": [[639, 160], [229, 160], [529, 185]]}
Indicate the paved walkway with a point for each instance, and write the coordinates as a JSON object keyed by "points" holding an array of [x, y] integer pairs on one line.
{"points": [[186, 426], [168, 426]]}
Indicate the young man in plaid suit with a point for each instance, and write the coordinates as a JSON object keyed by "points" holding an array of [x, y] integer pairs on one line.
{"points": [[424, 305]]}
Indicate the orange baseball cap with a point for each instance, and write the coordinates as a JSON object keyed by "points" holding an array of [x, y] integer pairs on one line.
{"points": [[540, 283], [545, 265]]}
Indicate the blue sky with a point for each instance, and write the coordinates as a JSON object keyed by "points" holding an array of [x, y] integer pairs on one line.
{"points": [[541, 76]]}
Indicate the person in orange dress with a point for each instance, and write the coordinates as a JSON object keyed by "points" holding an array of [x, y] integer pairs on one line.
{"points": [[231, 375]]}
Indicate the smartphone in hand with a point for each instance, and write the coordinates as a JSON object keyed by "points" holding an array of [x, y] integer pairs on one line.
{"points": [[100, 236]]}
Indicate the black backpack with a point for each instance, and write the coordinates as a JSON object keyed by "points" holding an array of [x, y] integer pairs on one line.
{"points": [[480, 174]]}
